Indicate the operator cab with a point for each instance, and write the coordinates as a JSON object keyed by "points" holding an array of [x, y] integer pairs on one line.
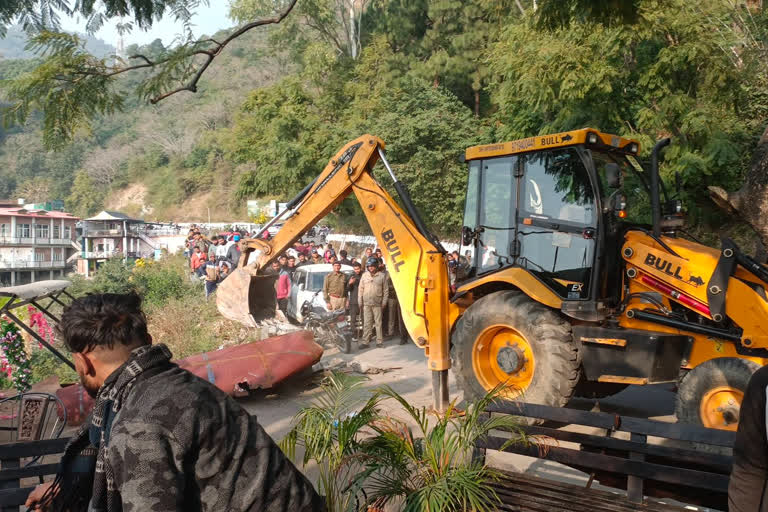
{"points": [[552, 206]]}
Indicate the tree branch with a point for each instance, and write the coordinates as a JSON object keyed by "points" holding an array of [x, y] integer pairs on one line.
{"points": [[210, 54]]}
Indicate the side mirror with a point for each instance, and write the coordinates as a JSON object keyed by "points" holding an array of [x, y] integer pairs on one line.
{"points": [[466, 235], [613, 175]]}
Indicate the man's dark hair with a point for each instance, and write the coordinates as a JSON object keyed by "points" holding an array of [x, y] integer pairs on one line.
{"points": [[102, 320], [343, 253], [356, 264]]}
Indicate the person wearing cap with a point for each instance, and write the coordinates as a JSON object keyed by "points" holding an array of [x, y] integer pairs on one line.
{"points": [[233, 252], [372, 296], [335, 288], [316, 257]]}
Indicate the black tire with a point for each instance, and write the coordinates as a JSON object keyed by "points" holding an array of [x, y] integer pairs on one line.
{"points": [[591, 389], [709, 375], [556, 356]]}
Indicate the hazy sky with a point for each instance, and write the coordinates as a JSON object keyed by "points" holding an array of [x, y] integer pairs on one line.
{"points": [[207, 20]]}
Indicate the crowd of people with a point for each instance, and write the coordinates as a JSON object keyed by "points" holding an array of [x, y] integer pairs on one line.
{"points": [[367, 294], [212, 259]]}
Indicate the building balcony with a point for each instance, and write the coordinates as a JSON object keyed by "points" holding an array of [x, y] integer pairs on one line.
{"points": [[14, 240], [25, 264], [110, 233], [103, 255]]}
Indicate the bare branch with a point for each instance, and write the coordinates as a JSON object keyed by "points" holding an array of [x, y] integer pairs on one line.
{"points": [[191, 86], [210, 55]]}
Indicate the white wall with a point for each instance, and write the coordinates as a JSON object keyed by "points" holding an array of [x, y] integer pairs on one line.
{"points": [[174, 243]]}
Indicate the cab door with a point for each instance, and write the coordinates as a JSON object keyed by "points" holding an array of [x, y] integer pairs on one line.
{"points": [[558, 221]]}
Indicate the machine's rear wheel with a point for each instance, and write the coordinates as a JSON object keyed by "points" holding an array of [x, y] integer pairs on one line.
{"points": [[508, 338], [710, 395]]}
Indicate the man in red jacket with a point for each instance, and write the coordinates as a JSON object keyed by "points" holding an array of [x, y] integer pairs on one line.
{"points": [[283, 289]]}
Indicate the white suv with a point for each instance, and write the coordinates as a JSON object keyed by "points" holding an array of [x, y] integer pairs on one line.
{"points": [[307, 285]]}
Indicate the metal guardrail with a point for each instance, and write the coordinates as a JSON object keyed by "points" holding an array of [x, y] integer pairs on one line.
{"points": [[31, 264], [113, 254], [14, 240]]}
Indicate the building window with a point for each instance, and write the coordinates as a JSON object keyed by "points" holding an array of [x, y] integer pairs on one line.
{"points": [[4, 230], [23, 230], [68, 232], [56, 231], [41, 230]]}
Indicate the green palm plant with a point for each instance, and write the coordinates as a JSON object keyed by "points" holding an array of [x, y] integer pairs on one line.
{"points": [[329, 429], [431, 468], [368, 458]]}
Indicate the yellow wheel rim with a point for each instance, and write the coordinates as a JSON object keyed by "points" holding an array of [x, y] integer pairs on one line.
{"points": [[720, 408], [501, 355]]}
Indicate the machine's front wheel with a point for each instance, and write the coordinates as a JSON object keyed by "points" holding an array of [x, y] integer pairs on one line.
{"points": [[710, 395], [508, 338]]}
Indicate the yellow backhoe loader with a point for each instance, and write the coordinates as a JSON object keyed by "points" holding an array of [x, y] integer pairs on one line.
{"points": [[563, 292]]}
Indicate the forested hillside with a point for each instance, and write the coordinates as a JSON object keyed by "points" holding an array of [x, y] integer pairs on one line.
{"points": [[430, 77], [13, 45]]}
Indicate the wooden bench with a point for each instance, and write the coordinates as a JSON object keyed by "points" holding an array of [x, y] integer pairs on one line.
{"points": [[687, 463], [12, 470]]}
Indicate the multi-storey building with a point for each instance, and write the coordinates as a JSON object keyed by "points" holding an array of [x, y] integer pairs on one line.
{"points": [[35, 244], [113, 235]]}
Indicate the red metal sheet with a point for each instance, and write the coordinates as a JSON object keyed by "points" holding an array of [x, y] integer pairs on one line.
{"points": [[260, 364], [77, 403], [235, 370]]}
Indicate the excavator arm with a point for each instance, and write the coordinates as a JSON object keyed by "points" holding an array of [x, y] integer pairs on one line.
{"points": [[414, 257]]}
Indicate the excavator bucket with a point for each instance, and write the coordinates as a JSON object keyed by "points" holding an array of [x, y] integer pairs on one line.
{"points": [[246, 298]]}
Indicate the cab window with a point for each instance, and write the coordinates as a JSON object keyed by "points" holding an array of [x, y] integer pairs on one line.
{"points": [[497, 212], [556, 187]]}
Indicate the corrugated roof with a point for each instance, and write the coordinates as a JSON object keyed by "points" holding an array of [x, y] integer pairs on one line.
{"points": [[19, 211]]}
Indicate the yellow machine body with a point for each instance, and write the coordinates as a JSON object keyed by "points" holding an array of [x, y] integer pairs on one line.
{"points": [[508, 325]]}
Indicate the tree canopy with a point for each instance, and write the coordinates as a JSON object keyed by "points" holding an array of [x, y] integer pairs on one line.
{"points": [[430, 77]]}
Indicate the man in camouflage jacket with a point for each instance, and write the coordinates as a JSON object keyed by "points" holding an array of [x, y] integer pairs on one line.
{"points": [[160, 438]]}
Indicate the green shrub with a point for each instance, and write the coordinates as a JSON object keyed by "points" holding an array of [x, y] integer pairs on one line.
{"points": [[44, 364], [160, 281], [113, 276], [364, 450]]}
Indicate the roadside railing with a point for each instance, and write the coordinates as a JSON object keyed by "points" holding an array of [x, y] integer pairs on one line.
{"points": [[32, 264], [14, 240]]}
